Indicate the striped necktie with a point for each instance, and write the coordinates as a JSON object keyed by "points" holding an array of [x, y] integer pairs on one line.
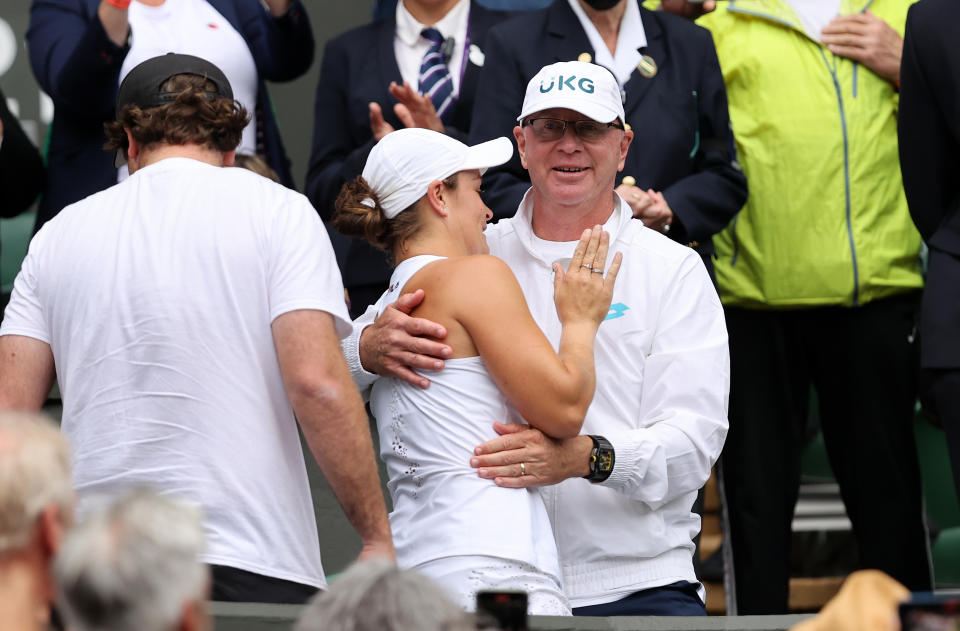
{"points": [[435, 80]]}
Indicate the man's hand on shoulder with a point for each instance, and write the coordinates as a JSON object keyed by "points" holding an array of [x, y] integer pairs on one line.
{"points": [[866, 38], [523, 456], [396, 344]]}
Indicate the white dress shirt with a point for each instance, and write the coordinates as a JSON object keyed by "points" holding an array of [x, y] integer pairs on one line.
{"points": [[630, 39], [409, 47]]}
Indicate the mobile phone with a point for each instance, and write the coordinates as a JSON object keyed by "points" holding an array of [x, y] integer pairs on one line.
{"points": [[506, 609], [931, 612]]}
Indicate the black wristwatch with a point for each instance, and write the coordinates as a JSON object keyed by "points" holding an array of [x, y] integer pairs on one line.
{"points": [[602, 459]]}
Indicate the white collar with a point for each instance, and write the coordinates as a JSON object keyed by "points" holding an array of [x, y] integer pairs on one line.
{"points": [[631, 37], [453, 24], [523, 224]]}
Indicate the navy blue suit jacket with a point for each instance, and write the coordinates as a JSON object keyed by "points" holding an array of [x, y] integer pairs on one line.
{"points": [[929, 135], [357, 68], [929, 121], [683, 143], [79, 67], [21, 169]]}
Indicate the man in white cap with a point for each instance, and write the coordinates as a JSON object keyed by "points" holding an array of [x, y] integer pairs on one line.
{"points": [[192, 315], [658, 420]]}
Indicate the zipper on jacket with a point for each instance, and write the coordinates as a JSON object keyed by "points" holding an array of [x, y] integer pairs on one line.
{"points": [[696, 125], [846, 178]]}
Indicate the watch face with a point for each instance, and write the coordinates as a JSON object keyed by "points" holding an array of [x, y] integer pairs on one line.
{"points": [[604, 460]]}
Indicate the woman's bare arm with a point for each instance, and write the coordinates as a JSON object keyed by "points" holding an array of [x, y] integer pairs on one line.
{"points": [[552, 390]]}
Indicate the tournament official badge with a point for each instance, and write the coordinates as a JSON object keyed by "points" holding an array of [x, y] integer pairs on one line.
{"points": [[647, 67], [585, 57]]}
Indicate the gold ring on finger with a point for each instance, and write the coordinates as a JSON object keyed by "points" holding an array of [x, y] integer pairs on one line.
{"points": [[523, 469]]}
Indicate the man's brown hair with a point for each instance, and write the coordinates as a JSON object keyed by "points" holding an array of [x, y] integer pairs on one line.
{"points": [[192, 118]]}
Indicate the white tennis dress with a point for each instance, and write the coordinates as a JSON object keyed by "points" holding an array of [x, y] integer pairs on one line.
{"points": [[461, 530]]}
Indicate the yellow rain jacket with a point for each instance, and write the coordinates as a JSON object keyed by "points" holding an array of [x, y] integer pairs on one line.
{"points": [[826, 222]]}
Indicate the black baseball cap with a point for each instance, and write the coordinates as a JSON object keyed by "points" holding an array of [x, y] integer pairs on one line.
{"points": [[142, 85]]}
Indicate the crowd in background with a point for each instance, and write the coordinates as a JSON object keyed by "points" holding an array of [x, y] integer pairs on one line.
{"points": [[765, 139]]}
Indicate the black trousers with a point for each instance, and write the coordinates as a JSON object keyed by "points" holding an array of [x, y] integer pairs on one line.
{"points": [[232, 584], [940, 352], [862, 362]]}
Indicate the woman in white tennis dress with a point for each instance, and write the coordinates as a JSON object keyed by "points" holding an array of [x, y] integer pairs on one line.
{"points": [[418, 198]]}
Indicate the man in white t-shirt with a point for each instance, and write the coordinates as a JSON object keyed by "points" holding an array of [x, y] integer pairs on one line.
{"points": [[189, 312], [658, 418]]}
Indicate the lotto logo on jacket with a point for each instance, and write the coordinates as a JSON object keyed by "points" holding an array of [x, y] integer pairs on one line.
{"points": [[569, 83]]}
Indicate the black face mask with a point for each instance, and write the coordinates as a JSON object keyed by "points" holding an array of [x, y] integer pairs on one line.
{"points": [[602, 5]]}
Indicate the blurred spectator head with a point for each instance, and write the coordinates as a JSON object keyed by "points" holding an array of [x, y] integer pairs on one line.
{"points": [[381, 204], [253, 162], [36, 489], [133, 565], [36, 508], [376, 595], [176, 100]]}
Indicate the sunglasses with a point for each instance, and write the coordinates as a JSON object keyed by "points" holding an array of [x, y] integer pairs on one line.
{"points": [[554, 128]]}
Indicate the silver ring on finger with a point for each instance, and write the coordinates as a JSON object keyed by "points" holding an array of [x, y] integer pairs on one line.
{"points": [[523, 469], [587, 266], [597, 270]]}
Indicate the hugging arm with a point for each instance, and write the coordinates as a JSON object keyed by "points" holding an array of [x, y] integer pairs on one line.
{"points": [[551, 390], [682, 421]]}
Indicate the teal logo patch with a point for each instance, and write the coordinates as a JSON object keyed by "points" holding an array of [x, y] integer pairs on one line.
{"points": [[570, 83], [616, 310]]}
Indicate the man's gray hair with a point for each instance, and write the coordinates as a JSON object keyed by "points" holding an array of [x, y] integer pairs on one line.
{"points": [[375, 595], [132, 565], [34, 473]]}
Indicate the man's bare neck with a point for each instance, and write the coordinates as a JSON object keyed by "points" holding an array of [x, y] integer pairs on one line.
{"points": [[566, 223], [156, 153], [20, 605], [429, 13]]}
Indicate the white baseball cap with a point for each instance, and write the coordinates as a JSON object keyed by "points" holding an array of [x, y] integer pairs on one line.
{"points": [[583, 87], [404, 162]]}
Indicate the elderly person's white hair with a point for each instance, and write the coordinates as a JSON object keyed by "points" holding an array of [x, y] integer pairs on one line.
{"points": [[34, 473], [132, 565], [377, 596]]}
